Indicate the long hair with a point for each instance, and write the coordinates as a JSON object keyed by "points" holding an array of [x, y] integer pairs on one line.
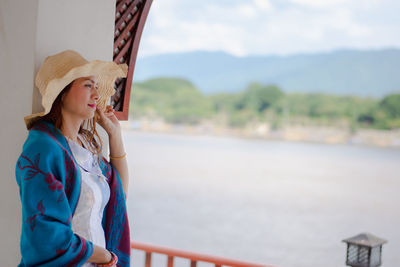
{"points": [[89, 132]]}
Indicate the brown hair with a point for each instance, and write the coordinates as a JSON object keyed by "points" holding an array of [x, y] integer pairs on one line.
{"points": [[55, 117]]}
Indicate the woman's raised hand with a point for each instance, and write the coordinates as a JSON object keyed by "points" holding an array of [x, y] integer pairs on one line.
{"points": [[108, 120]]}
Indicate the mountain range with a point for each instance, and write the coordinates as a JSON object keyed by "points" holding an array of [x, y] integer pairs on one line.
{"points": [[367, 73]]}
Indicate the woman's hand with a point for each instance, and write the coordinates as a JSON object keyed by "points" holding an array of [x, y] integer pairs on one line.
{"points": [[100, 256], [108, 120]]}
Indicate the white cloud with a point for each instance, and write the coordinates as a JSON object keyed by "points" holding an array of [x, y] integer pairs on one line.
{"points": [[247, 10], [337, 3], [319, 3], [178, 34], [243, 27], [263, 4], [250, 9]]}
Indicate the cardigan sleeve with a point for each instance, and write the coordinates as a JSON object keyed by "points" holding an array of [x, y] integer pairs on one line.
{"points": [[47, 238], [115, 219]]}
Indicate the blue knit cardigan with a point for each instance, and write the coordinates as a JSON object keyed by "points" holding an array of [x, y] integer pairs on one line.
{"points": [[49, 183]]}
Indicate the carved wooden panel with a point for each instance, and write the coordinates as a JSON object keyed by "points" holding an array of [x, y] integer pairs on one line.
{"points": [[130, 17]]}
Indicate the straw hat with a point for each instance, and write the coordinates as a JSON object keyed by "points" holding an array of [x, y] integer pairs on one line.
{"points": [[58, 70]]}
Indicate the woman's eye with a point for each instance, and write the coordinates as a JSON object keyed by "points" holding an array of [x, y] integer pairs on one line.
{"points": [[90, 86]]}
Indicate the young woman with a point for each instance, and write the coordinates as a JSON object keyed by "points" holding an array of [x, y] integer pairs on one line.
{"points": [[73, 199]]}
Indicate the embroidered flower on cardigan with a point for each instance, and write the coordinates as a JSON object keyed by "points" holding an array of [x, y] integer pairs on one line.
{"points": [[31, 220], [53, 183]]}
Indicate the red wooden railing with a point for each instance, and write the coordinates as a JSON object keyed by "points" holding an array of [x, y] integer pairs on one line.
{"points": [[193, 257]]}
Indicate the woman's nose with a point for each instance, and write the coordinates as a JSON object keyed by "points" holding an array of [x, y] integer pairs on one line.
{"points": [[95, 94]]}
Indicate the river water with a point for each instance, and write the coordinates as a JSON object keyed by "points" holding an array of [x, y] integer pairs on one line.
{"points": [[281, 203]]}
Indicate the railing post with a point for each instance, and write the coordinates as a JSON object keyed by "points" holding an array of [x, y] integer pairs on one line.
{"points": [[193, 263], [170, 261], [148, 259]]}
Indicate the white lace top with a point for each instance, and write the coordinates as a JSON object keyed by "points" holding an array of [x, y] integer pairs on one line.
{"points": [[94, 196]]}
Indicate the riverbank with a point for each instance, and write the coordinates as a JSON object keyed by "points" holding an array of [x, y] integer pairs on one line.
{"points": [[294, 133]]}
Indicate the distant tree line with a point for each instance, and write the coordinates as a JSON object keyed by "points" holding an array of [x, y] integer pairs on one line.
{"points": [[179, 101]]}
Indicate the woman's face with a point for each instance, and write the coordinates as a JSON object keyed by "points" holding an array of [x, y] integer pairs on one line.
{"points": [[80, 101]]}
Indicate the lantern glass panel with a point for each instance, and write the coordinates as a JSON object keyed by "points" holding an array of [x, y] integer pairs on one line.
{"points": [[363, 255], [376, 256], [357, 255], [352, 253]]}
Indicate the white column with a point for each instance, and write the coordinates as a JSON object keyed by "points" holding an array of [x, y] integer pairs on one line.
{"points": [[30, 31]]}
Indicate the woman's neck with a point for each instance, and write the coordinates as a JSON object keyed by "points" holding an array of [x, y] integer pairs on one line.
{"points": [[70, 128]]}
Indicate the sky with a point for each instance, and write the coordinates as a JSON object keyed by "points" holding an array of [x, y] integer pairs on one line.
{"points": [[270, 27]]}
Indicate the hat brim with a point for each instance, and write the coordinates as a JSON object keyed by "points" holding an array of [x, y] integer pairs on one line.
{"points": [[105, 71]]}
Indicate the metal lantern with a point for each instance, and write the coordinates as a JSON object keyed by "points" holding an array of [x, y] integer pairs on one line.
{"points": [[364, 250]]}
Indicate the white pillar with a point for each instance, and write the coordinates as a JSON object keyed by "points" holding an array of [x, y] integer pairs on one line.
{"points": [[30, 31]]}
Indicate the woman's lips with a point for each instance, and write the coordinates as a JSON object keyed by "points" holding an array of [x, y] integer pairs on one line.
{"points": [[92, 106]]}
